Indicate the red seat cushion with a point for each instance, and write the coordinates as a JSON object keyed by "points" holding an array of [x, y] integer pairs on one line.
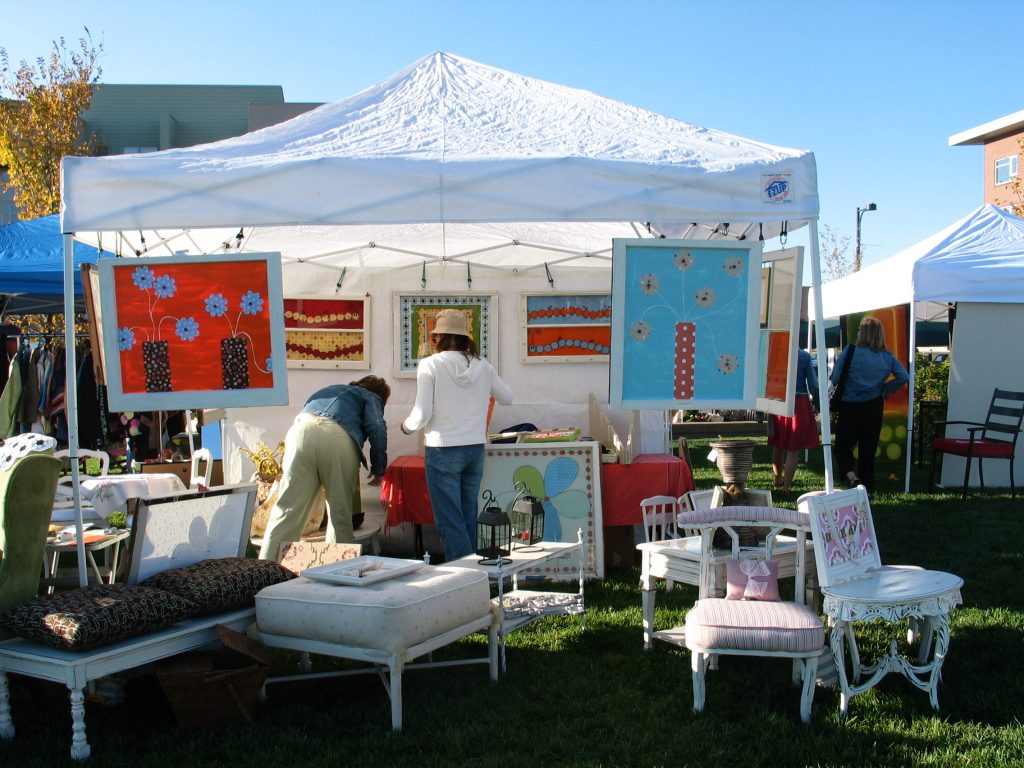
{"points": [[988, 449]]}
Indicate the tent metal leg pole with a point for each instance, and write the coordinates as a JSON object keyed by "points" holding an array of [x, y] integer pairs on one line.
{"points": [[71, 399], [911, 397], [819, 330]]}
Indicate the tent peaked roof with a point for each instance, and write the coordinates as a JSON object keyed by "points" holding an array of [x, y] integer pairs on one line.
{"points": [[982, 260], [978, 258], [451, 140]]}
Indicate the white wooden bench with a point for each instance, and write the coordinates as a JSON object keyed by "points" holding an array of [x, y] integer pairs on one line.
{"points": [[167, 532]]}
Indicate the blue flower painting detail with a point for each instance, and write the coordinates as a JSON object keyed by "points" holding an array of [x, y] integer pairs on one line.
{"points": [[156, 287], [187, 329], [555, 490], [216, 305], [125, 339], [250, 303]]}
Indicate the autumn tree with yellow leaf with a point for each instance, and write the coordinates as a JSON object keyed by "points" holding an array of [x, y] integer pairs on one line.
{"points": [[40, 121]]}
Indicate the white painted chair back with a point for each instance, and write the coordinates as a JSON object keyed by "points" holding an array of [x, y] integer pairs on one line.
{"points": [[690, 501], [659, 518], [753, 497], [196, 478], [63, 500], [773, 520], [845, 545], [84, 454]]}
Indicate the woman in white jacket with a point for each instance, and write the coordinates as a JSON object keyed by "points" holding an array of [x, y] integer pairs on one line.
{"points": [[453, 391]]}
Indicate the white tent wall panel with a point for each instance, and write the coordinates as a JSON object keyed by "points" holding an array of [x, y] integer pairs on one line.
{"points": [[548, 395], [979, 366]]}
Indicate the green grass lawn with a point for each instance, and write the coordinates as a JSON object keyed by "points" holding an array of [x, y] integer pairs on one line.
{"points": [[594, 697]]}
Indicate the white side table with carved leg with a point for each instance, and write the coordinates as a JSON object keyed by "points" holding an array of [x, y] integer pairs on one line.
{"points": [[894, 594]]}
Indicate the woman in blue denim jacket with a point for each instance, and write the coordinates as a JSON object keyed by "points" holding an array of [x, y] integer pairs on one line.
{"points": [[324, 447], [874, 374]]}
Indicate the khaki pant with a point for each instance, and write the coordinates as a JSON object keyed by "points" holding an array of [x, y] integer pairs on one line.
{"points": [[318, 452]]}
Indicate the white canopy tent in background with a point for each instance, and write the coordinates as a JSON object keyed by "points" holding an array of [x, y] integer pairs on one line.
{"points": [[976, 260], [450, 165]]}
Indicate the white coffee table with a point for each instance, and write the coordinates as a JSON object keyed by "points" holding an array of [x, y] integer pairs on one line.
{"points": [[520, 607]]}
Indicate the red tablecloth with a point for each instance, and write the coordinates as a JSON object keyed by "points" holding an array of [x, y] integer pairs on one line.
{"points": [[624, 486], [403, 491]]}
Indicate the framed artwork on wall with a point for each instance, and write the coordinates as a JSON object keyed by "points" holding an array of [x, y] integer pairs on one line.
{"points": [[565, 328], [193, 332], [417, 315], [327, 332], [685, 321]]}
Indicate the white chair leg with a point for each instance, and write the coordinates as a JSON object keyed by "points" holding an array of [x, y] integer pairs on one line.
{"points": [[80, 749], [6, 724], [492, 650], [698, 663]]}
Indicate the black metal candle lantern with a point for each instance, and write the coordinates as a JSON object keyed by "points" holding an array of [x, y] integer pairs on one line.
{"points": [[527, 515], [493, 531]]}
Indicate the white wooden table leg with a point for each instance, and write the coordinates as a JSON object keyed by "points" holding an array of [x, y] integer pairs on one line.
{"points": [[6, 724], [836, 640], [79, 744], [940, 624]]}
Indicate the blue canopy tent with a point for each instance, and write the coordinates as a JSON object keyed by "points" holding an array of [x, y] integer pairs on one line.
{"points": [[32, 267]]}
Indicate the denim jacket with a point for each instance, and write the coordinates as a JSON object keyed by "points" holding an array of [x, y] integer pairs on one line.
{"points": [[360, 413]]}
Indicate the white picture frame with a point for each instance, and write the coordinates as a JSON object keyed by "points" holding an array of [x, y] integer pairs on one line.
{"points": [[186, 309], [685, 324], [327, 332]]}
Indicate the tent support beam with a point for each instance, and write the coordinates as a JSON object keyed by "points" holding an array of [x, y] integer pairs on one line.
{"points": [[71, 399], [819, 330], [912, 370]]}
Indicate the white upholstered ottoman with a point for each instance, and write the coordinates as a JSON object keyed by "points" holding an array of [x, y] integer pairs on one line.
{"points": [[388, 623]]}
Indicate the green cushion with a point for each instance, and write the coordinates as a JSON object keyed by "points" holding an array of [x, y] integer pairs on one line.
{"points": [[26, 500]]}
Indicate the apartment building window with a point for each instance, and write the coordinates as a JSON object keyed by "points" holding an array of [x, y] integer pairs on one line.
{"points": [[1006, 169]]}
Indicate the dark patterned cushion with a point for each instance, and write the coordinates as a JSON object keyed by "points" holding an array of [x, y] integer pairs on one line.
{"points": [[220, 584], [96, 615]]}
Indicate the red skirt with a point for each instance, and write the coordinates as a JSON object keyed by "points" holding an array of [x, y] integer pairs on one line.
{"points": [[797, 432]]}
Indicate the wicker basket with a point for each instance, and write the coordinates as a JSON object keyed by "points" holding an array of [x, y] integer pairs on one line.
{"points": [[209, 688]]}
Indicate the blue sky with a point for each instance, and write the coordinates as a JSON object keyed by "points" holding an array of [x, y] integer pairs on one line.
{"points": [[873, 88]]}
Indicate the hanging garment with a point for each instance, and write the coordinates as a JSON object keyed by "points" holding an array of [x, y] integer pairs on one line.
{"points": [[10, 399]]}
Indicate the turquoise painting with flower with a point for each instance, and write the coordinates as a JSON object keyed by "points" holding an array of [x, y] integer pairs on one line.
{"points": [[192, 327]]}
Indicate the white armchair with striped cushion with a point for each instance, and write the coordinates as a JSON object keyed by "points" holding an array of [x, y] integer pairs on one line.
{"points": [[747, 622]]}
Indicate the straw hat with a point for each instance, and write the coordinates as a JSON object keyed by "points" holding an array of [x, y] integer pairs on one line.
{"points": [[451, 321]]}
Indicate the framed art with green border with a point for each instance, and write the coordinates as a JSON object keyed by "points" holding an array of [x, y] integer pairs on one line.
{"points": [[417, 314], [327, 332], [565, 327], [193, 332]]}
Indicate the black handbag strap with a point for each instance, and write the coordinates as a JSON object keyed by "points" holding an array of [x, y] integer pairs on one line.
{"points": [[841, 384]]}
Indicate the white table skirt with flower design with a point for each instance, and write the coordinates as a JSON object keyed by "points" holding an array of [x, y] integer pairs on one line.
{"points": [[108, 493]]}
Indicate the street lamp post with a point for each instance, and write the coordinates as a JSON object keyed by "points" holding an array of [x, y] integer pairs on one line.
{"points": [[858, 257]]}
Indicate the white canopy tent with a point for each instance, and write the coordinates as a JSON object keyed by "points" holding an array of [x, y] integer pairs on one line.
{"points": [[978, 259], [447, 162]]}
